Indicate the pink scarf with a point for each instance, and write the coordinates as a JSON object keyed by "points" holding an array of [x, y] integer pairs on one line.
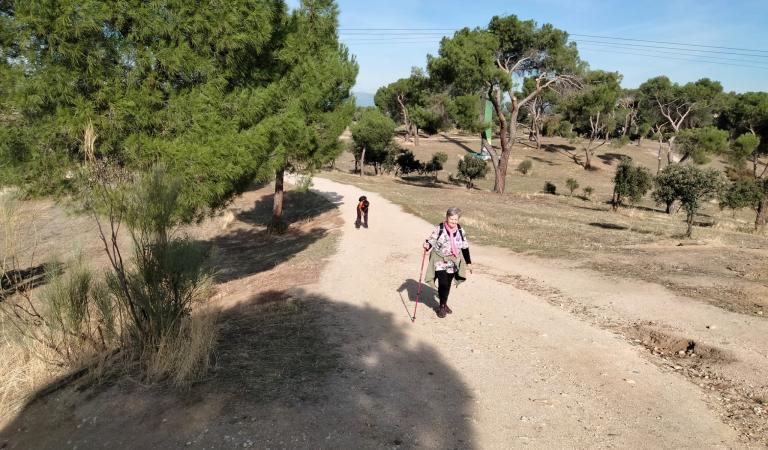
{"points": [[452, 237]]}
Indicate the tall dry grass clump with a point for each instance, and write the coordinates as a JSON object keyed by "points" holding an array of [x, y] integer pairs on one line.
{"points": [[24, 372], [25, 362], [168, 278], [197, 337], [72, 316], [146, 313]]}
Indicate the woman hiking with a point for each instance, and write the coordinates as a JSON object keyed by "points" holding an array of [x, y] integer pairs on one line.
{"points": [[449, 259]]}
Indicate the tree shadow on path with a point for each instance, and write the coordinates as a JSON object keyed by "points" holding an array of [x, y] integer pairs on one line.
{"points": [[249, 248], [292, 370]]}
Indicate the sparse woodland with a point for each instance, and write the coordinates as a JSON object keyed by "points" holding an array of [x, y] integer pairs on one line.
{"points": [[145, 119]]}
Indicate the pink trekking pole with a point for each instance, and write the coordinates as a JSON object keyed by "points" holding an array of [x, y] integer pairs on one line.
{"points": [[418, 289]]}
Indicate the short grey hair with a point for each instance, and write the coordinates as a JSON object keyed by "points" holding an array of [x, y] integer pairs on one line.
{"points": [[453, 211]]}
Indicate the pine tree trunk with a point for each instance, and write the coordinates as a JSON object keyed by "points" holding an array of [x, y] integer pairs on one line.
{"points": [[587, 154], [690, 225], [760, 218], [362, 161], [406, 121], [278, 225]]}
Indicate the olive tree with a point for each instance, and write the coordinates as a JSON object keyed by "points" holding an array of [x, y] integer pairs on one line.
{"points": [[690, 185]]}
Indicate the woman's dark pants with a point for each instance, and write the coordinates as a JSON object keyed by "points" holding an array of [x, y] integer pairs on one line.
{"points": [[444, 280]]}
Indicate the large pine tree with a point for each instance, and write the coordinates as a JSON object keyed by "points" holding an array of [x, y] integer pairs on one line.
{"points": [[220, 95]]}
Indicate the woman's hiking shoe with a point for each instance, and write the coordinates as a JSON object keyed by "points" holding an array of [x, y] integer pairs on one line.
{"points": [[441, 312]]}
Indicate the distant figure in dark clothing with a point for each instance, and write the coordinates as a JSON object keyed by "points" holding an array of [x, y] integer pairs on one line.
{"points": [[362, 212]]}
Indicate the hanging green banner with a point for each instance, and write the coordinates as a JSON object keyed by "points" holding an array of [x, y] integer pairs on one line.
{"points": [[488, 133]]}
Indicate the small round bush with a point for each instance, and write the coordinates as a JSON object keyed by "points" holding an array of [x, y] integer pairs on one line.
{"points": [[572, 184], [525, 166]]}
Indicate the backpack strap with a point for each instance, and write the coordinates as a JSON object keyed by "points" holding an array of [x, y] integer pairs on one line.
{"points": [[442, 228]]}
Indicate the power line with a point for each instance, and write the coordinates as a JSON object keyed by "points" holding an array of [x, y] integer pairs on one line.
{"points": [[393, 39], [624, 47], [588, 48], [397, 29], [426, 40], [674, 57], [387, 33], [410, 36], [390, 43], [343, 30], [671, 48], [672, 43]]}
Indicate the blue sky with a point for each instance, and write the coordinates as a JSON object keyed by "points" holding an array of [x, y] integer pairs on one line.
{"points": [[741, 24]]}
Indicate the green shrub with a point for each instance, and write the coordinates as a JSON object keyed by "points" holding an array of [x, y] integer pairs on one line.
{"points": [[406, 163], [588, 192], [630, 182], [551, 126], [169, 273], [167, 276], [572, 184], [303, 183], [620, 141], [525, 166], [689, 185], [436, 163], [565, 129], [471, 169], [80, 318], [700, 143], [744, 193]]}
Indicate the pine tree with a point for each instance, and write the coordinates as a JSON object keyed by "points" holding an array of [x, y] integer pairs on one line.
{"points": [[316, 104], [140, 82]]}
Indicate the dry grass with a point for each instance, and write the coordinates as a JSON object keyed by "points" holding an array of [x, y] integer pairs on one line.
{"points": [[184, 357], [72, 321], [24, 372], [23, 363]]}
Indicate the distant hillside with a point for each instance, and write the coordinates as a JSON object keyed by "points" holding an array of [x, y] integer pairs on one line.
{"points": [[363, 98]]}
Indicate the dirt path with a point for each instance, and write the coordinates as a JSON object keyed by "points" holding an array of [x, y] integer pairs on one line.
{"points": [[536, 355], [513, 369]]}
